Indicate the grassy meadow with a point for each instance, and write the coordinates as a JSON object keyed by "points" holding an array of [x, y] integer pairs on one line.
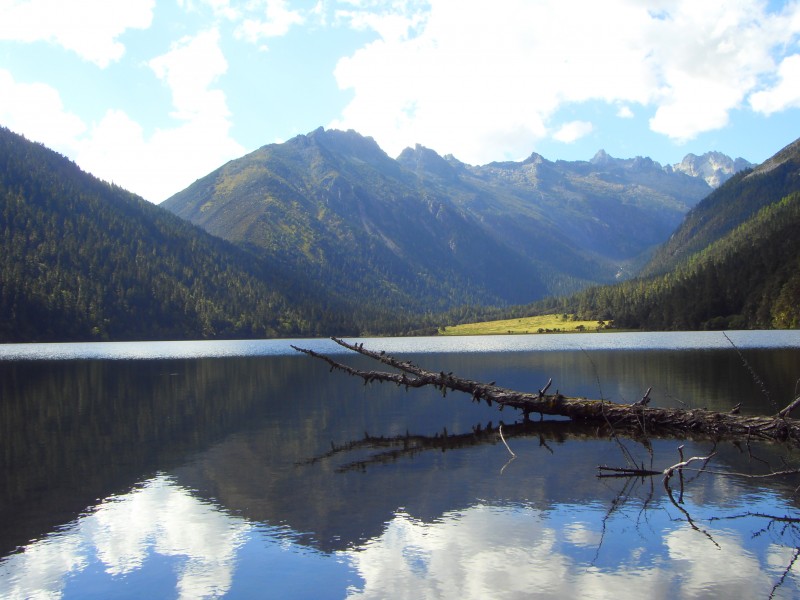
{"points": [[537, 324]]}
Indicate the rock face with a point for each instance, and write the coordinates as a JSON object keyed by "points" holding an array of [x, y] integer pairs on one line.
{"points": [[714, 168]]}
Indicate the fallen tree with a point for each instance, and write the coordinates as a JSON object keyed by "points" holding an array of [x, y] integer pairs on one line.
{"points": [[638, 417]]}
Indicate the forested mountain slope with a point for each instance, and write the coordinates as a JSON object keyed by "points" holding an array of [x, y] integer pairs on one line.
{"points": [[729, 206], [334, 206], [427, 233], [734, 263], [84, 260]]}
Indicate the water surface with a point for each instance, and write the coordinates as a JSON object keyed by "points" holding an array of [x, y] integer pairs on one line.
{"points": [[242, 469]]}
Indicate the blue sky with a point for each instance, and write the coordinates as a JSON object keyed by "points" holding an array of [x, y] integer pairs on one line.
{"points": [[153, 94]]}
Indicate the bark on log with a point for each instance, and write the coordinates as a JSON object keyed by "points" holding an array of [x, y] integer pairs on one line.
{"points": [[625, 416]]}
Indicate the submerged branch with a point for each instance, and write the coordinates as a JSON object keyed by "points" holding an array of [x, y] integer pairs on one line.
{"points": [[636, 417]]}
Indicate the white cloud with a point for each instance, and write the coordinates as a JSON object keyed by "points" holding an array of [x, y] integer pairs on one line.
{"points": [[158, 517], [89, 28], [572, 131], [36, 110], [275, 20], [169, 160], [785, 93], [115, 147], [625, 112], [189, 69], [484, 79], [397, 23]]}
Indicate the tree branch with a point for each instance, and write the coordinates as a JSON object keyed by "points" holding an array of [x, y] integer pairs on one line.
{"points": [[632, 416]]}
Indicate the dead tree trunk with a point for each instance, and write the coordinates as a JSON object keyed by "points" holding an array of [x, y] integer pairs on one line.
{"points": [[637, 416]]}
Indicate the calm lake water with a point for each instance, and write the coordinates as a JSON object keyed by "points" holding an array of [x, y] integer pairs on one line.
{"points": [[245, 470]]}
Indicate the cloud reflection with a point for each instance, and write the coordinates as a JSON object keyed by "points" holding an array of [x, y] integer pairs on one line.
{"points": [[514, 552], [486, 550], [122, 532]]}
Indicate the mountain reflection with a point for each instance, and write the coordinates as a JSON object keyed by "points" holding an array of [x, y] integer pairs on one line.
{"points": [[271, 477]]}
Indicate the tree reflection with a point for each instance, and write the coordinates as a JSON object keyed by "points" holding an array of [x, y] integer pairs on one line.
{"points": [[637, 485]]}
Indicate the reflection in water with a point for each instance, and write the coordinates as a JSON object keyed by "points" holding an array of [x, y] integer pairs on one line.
{"points": [[121, 535], [169, 543], [505, 552], [267, 476]]}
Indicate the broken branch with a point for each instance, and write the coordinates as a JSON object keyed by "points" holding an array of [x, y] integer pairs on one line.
{"points": [[631, 416]]}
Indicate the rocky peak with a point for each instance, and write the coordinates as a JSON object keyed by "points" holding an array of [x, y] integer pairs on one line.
{"points": [[424, 160], [713, 167], [348, 143], [601, 158]]}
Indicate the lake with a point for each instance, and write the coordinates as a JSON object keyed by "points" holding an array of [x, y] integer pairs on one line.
{"points": [[243, 469]]}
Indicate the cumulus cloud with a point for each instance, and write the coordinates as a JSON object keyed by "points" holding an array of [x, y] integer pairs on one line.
{"points": [[274, 20], [572, 131], [90, 28], [122, 532], [625, 112], [170, 159], [255, 20], [189, 69], [482, 80], [785, 93], [37, 110]]}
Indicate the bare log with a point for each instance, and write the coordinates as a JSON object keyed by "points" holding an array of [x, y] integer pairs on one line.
{"points": [[785, 412], [626, 416]]}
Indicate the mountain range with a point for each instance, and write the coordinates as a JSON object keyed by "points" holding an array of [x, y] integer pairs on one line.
{"points": [[733, 263], [326, 234], [427, 233]]}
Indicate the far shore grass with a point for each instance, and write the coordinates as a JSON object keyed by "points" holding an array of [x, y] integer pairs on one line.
{"points": [[537, 324]]}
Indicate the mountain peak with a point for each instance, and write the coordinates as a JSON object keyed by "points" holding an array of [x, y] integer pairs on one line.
{"points": [[713, 167], [424, 160], [601, 158]]}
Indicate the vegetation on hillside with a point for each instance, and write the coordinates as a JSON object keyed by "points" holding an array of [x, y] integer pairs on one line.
{"points": [[734, 263], [356, 248], [749, 278], [81, 259], [424, 233], [728, 207], [562, 323]]}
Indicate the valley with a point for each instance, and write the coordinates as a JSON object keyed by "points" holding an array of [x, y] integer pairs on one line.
{"points": [[326, 234]]}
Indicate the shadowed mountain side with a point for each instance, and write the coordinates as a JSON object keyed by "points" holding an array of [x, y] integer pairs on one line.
{"points": [[729, 206], [425, 232], [734, 263]]}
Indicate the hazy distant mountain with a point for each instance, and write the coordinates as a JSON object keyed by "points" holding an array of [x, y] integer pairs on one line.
{"points": [[425, 232], [714, 167]]}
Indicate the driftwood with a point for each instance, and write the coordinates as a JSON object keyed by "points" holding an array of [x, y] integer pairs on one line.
{"points": [[638, 417]]}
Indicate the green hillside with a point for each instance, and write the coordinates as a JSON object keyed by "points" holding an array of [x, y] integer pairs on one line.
{"points": [[750, 278], [733, 264], [729, 206], [335, 207], [423, 233], [81, 259]]}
